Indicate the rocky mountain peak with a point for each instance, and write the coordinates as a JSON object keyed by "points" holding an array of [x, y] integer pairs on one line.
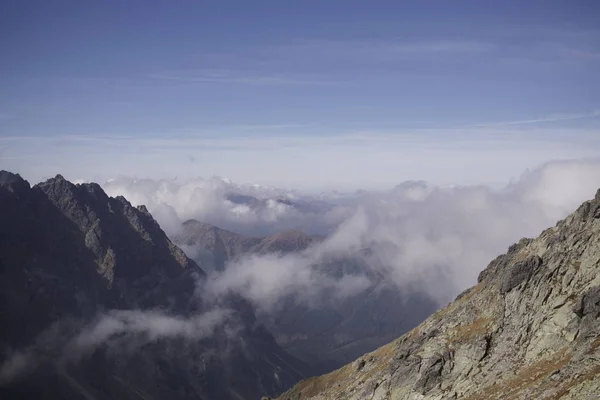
{"points": [[12, 181], [225, 246], [109, 228], [8, 177], [589, 209], [58, 181]]}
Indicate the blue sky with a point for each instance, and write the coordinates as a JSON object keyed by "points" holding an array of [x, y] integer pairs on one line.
{"points": [[308, 94]]}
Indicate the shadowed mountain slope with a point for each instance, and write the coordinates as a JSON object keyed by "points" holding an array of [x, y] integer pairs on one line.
{"points": [[97, 303]]}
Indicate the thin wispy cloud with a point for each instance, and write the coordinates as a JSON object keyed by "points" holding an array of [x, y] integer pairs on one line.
{"points": [[583, 53], [549, 118], [385, 47], [345, 55], [280, 65], [268, 127], [459, 46], [516, 46], [271, 136], [228, 77]]}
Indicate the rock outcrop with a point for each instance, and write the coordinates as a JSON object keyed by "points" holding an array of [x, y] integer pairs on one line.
{"points": [[529, 329], [69, 256]]}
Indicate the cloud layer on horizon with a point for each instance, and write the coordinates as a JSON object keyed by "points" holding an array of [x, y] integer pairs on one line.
{"points": [[421, 237], [316, 158]]}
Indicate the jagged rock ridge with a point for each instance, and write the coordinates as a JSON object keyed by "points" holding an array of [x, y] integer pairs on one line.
{"points": [[529, 329], [69, 253]]}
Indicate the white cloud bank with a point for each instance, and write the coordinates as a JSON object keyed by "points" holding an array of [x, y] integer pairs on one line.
{"points": [[421, 237], [252, 210], [267, 280]]}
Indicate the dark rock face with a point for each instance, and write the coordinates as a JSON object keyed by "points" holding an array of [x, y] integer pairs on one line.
{"points": [[589, 304], [8, 179], [431, 374], [69, 254], [519, 273]]}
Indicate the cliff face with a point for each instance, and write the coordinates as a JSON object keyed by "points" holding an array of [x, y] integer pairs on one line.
{"points": [[74, 260], [529, 329]]}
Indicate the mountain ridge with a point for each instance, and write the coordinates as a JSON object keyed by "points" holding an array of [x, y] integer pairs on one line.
{"points": [[80, 268], [225, 246]]}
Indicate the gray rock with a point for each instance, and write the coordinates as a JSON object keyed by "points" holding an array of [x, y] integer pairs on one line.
{"points": [[589, 303], [521, 272]]}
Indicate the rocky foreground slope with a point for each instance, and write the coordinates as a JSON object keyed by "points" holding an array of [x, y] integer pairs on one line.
{"points": [[529, 329]]}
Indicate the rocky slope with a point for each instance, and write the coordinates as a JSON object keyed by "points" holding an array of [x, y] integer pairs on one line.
{"points": [[83, 271], [333, 334], [529, 329]]}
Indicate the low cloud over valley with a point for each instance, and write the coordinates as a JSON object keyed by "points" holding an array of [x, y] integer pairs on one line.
{"points": [[422, 238]]}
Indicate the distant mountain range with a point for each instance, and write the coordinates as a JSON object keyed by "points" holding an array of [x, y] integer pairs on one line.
{"points": [[97, 303], [314, 205], [215, 247]]}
